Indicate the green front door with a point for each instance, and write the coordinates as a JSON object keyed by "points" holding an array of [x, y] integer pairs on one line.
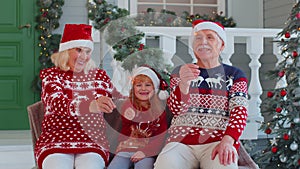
{"points": [[17, 62]]}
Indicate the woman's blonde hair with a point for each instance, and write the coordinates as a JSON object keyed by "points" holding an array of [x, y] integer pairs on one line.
{"points": [[60, 60]]}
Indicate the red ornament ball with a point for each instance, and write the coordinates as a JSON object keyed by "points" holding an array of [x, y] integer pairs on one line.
{"points": [[283, 92], [295, 54], [281, 73], [299, 161], [287, 35], [270, 94], [141, 46], [274, 149], [268, 131], [286, 136], [278, 109], [298, 15]]}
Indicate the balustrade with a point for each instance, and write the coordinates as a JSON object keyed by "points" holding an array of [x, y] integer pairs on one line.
{"points": [[254, 40]]}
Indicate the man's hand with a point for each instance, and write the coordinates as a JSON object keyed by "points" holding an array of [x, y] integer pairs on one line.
{"points": [[187, 73], [226, 151]]}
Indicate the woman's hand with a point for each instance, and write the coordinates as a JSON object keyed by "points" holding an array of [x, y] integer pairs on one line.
{"points": [[226, 151], [102, 104], [139, 155]]}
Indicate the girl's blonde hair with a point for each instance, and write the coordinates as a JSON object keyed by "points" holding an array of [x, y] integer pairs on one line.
{"points": [[60, 60], [154, 105]]}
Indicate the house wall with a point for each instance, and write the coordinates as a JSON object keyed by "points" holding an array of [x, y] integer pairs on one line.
{"points": [[247, 14], [276, 12]]}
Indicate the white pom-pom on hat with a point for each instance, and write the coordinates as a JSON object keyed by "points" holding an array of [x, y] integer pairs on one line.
{"points": [[163, 94]]}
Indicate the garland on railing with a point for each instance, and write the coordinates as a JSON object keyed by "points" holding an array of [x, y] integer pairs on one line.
{"points": [[50, 12], [101, 13], [169, 18]]}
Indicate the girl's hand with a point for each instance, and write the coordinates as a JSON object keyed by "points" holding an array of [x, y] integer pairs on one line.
{"points": [[102, 104], [139, 155]]}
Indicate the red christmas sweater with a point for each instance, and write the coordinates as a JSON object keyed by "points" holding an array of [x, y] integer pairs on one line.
{"points": [[140, 132], [68, 126], [216, 105]]}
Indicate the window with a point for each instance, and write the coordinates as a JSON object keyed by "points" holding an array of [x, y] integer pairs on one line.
{"points": [[179, 6]]}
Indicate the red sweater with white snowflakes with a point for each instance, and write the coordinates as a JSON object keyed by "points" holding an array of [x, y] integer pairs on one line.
{"points": [[216, 105], [68, 126]]}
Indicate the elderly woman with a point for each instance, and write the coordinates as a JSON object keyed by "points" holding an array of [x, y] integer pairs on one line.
{"points": [[75, 94]]}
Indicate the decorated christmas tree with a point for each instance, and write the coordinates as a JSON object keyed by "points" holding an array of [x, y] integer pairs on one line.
{"points": [[282, 104]]}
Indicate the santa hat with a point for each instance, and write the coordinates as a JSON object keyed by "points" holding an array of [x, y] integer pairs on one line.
{"points": [[159, 84], [76, 35], [214, 26]]}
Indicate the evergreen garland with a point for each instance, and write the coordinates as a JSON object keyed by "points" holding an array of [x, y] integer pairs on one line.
{"points": [[101, 13], [50, 11], [169, 18]]}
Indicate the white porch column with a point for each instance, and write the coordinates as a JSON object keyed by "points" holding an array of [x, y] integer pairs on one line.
{"points": [[229, 49], [168, 45], [254, 50], [123, 4], [104, 48]]}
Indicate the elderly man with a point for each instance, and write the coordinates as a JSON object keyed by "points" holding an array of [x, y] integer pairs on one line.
{"points": [[209, 106]]}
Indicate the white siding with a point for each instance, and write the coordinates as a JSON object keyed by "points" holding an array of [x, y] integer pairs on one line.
{"points": [[246, 13], [276, 12]]}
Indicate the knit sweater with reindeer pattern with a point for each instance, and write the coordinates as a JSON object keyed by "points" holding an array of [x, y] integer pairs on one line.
{"points": [[140, 131], [216, 105]]}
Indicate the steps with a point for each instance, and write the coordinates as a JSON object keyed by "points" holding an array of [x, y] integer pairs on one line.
{"points": [[16, 150]]}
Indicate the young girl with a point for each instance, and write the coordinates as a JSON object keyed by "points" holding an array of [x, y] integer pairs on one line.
{"points": [[144, 122]]}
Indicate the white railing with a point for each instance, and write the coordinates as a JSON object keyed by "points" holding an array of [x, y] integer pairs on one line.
{"points": [[254, 40]]}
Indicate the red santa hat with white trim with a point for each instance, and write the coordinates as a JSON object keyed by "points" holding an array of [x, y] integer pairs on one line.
{"points": [[76, 35], [160, 85], [214, 26]]}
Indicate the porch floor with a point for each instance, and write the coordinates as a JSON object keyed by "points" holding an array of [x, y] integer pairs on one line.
{"points": [[16, 150]]}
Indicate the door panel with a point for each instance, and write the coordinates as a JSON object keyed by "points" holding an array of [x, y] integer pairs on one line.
{"points": [[17, 61]]}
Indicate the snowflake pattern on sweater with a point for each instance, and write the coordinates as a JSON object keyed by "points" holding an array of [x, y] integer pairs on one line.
{"points": [[68, 126], [216, 105]]}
